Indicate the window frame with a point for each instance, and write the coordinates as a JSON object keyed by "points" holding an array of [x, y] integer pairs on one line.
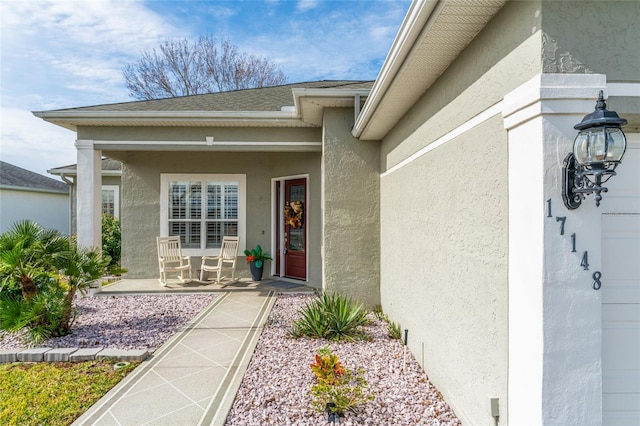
{"points": [[239, 179], [116, 199]]}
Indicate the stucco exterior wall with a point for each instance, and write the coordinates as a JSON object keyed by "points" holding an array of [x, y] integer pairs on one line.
{"points": [[444, 265], [351, 210], [140, 200], [444, 217], [50, 210], [592, 37]]}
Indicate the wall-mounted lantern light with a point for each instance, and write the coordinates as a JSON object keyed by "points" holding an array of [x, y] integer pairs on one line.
{"points": [[597, 151]]}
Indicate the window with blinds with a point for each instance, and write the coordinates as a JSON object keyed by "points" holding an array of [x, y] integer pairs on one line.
{"points": [[201, 213]]}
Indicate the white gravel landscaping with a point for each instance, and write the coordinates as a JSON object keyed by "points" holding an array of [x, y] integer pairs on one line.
{"points": [[124, 322], [275, 388]]}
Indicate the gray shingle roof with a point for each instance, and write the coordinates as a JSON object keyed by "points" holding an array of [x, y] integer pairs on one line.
{"points": [[263, 99], [107, 164], [17, 177]]}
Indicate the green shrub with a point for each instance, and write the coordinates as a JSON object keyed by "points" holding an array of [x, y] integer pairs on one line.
{"points": [[41, 270], [40, 315], [394, 331], [111, 239], [331, 316]]}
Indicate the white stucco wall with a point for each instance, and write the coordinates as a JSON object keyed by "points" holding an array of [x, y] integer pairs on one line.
{"points": [[50, 210]]}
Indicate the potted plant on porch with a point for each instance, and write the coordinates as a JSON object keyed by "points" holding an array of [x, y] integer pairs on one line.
{"points": [[255, 259]]}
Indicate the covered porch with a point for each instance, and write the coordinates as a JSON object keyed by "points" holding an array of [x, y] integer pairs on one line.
{"points": [[130, 286]]}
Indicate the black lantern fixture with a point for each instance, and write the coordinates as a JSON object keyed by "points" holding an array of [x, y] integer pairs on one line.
{"points": [[597, 151]]}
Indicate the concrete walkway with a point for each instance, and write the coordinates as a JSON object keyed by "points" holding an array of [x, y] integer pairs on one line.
{"points": [[193, 378]]}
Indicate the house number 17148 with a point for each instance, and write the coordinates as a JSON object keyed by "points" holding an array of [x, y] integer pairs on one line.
{"points": [[584, 261]]}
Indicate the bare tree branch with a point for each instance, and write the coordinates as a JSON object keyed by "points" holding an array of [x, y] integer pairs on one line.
{"points": [[180, 68]]}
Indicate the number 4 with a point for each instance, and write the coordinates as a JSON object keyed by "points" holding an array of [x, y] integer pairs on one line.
{"points": [[585, 261]]}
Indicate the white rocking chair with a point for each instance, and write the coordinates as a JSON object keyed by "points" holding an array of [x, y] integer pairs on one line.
{"points": [[170, 259], [227, 258]]}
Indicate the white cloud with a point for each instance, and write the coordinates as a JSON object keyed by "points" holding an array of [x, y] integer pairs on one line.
{"points": [[304, 5], [59, 54], [344, 43], [33, 144]]}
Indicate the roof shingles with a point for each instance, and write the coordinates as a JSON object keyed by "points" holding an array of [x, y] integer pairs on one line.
{"points": [[17, 177], [261, 99]]}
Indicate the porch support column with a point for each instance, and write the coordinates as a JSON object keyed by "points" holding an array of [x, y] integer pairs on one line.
{"points": [[554, 314], [89, 194]]}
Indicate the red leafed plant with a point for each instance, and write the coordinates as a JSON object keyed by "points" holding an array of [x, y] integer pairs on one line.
{"points": [[327, 367]]}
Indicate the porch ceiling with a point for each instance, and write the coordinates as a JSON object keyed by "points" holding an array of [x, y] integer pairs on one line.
{"points": [[431, 37]]}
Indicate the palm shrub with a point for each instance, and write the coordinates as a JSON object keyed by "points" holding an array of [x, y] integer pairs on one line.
{"points": [[79, 268], [40, 272], [331, 316], [27, 255], [39, 316], [112, 243]]}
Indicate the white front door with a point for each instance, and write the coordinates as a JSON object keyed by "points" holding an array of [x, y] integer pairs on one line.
{"points": [[621, 292]]}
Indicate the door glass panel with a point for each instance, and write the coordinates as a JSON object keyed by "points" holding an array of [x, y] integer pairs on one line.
{"points": [[294, 217]]}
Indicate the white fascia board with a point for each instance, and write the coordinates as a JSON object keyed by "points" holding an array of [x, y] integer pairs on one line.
{"points": [[241, 115], [415, 22], [319, 94], [74, 172], [214, 145], [71, 119], [328, 93]]}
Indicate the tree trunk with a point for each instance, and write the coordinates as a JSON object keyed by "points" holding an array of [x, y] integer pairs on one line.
{"points": [[28, 287], [66, 317]]}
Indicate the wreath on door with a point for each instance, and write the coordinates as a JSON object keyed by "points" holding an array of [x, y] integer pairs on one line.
{"points": [[293, 214]]}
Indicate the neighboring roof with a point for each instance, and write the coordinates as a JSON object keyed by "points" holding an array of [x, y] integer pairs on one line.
{"points": [[17, 178], [432, 35], [268, 106], [109, 168]]}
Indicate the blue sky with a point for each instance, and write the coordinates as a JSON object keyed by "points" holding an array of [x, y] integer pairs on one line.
{"points": [[64, 53]]}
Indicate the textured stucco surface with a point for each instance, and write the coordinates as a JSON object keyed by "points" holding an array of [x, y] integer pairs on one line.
{"points": [[592, 37], [444, 218], [504, 55], [351, 210], [444, 265], [140, 200]]}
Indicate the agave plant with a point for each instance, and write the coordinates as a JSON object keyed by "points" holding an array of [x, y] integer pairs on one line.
{"points": [[331, 316]]}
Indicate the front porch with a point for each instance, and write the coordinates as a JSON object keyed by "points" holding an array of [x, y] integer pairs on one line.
{"points": [[130, 286]]}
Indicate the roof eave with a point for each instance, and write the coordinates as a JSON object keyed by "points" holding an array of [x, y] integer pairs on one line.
{"points": [[420, 53], [72, 119], [415, 20]]}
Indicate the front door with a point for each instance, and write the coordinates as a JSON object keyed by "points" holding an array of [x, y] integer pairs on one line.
{"points": [[291, 253]]}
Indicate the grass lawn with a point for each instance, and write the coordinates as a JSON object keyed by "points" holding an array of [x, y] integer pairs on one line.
{"points": [[51, 394]]}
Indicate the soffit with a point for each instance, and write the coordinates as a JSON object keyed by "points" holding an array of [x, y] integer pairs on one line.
{"points": [[446, 32]]}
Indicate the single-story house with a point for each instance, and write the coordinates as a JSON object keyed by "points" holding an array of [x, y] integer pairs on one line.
{"points": [[26, 195], [436, 190], [111, 170]]}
